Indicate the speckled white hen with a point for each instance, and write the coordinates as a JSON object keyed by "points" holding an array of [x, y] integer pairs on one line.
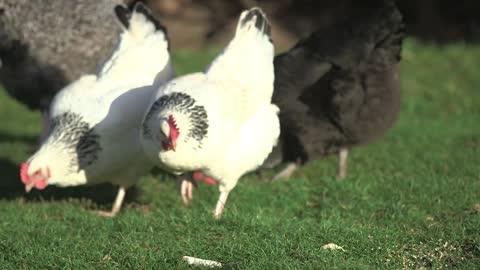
{"points": [[94, 136], [220, 122]]}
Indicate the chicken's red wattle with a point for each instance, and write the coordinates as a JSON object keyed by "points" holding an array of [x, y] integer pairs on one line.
{"points": [[23, 172], [198, 176]]}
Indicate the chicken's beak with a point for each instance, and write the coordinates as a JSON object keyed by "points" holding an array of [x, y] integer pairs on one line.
{"points": [[29, 186], [173, 145]]}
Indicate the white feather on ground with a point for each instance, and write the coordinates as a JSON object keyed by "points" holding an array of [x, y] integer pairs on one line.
{"points": [[201, 262]]}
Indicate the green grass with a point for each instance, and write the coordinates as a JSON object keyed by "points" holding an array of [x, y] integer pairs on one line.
{"points": [[409, 200]]}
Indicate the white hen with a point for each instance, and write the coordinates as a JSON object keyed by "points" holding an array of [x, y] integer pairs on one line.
{"points": [[94, 136], [220, 122]]}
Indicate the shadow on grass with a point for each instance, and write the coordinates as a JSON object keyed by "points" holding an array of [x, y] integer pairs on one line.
{"points": [[11, 188]]}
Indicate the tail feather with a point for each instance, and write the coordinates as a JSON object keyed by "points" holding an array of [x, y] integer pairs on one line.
{"points": [[138, 20], [255, 17], [123, 15], [140, 8], [143, 40], [247, 61]]}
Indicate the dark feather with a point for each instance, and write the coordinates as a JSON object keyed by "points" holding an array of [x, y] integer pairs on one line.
{"points": [[182, 103], [123, 15], [339, 87], [74, 135]]}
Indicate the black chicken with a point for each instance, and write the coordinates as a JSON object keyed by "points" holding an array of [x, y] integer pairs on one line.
{"points": [[339, 87]]}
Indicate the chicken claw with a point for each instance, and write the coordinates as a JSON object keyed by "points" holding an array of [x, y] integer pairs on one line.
{"points": [[186, 191]]}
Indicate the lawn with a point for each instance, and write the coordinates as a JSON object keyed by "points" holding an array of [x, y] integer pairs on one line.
{"points": [[411, 200]]}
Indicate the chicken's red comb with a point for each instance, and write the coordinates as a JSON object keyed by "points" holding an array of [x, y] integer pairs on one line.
{"points": [[171, 121], [23, 172]]}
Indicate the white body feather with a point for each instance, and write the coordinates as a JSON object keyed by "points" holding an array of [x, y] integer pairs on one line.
{"points": [[112, 103], [236, 93]]}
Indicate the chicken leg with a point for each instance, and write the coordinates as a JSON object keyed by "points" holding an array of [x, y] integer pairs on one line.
{"points": [[342, 163], [289, 169], [222, 200], [186, 190], [117, 205]]}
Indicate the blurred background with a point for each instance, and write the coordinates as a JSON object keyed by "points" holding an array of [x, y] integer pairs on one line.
{"points": [[198, 23]]}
